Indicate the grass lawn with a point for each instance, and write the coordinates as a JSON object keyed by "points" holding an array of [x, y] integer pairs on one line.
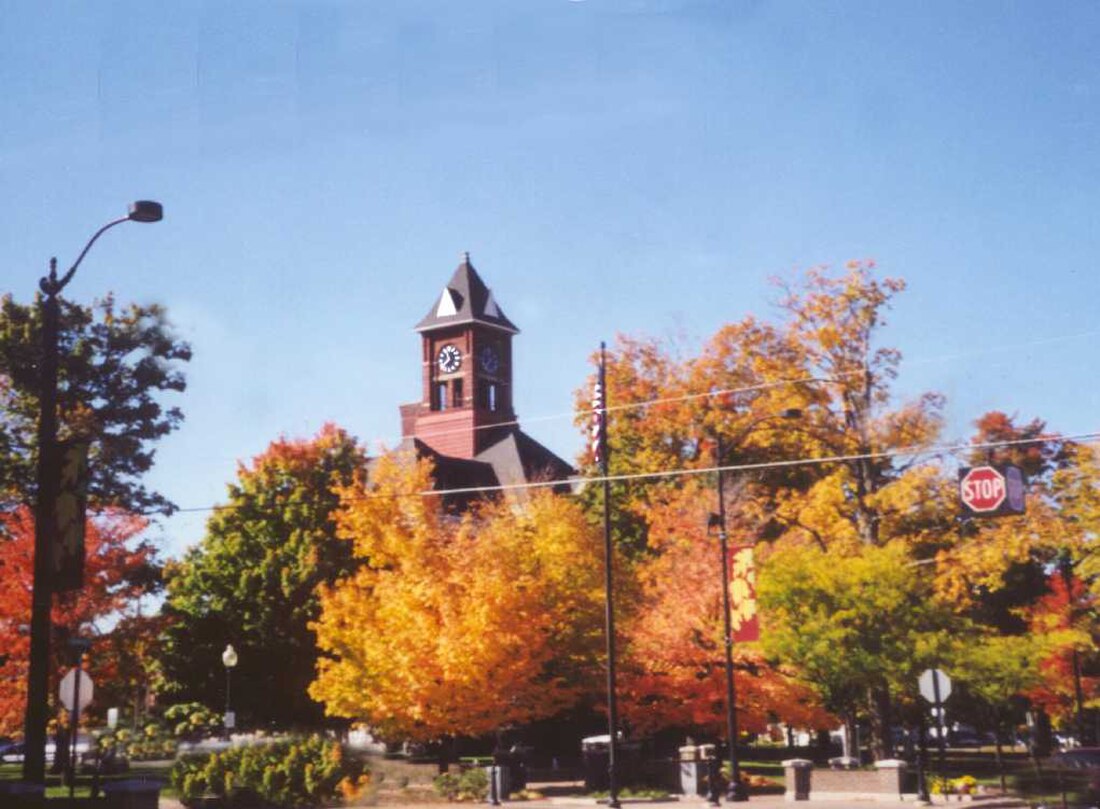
{"points": [[150, 770]]}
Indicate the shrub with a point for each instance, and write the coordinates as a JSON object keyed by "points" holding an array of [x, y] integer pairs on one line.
{"points": [[191, 720], [963, 785], [469, 785], [152, 742], [292, 773]]}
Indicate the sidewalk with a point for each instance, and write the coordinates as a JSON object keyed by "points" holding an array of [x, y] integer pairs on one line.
{"points": [[692, 802]]}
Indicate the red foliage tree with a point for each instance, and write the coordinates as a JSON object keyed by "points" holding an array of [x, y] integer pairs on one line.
{"points": [[1065, 617], [674, 668], [120, 567]]}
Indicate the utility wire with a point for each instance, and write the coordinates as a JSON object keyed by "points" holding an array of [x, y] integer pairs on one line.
{"points": [[942, 449], [586, 413], [808, 380]]}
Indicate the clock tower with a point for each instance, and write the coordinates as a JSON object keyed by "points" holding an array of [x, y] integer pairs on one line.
{"points": [[466, 357]]}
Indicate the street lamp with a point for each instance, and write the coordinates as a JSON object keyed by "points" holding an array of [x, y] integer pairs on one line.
{"points": [[736, 791], [229, 660], [48, 482]]}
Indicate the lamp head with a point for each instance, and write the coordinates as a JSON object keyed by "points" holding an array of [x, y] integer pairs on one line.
{"points": [[146, 210], [714, 523], [229, 656]]}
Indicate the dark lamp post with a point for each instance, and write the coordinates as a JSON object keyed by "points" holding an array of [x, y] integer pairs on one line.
{"points": [[716, 523], [45, 513]]}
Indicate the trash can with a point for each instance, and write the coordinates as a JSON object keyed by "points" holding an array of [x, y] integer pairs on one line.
{"points": [[693, 772], [594, 759], [22, 794], [132, 794], [500, 786], [796, 776]]}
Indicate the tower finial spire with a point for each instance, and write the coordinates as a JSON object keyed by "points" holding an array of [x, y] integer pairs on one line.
{"points": [[466, 257]]}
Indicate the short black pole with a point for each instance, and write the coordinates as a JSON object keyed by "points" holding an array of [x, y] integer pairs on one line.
{"points": [[612, 707], [494, 793], [941, 728], [922, 760], [73, 764], [712, 779], [736, 791]]}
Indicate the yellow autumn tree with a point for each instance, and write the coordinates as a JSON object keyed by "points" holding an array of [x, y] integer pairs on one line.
{"points": [[458, 625]]}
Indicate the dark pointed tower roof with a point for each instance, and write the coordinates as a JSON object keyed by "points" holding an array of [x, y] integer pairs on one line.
{"points": [[464, 300]]}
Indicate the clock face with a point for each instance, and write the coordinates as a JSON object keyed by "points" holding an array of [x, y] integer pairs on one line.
{"points": [[449, 359], [489, 360]]}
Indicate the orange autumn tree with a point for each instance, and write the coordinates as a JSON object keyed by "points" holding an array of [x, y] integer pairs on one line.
{"points": [[458, 625], [821, 361], [117, 572]]}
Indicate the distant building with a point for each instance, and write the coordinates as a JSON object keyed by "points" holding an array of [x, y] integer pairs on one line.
{"points": [[465, 420]]}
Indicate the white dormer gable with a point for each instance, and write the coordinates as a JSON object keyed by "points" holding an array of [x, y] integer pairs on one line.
{"points": [[446, 306], [491, 306]]}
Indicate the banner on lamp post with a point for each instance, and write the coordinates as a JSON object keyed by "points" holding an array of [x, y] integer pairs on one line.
{"points": [[68, 549], [744, 619]]}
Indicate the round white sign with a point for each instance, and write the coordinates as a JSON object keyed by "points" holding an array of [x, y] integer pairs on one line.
{"points": [[932, 680], [68, 688]]}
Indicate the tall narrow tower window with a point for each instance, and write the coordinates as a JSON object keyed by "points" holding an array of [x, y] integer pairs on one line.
{"points": [[456, 393], [487, 395], [439, 396]]}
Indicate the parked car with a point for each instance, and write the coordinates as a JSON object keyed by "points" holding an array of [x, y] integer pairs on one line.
{"points": [[12, 753], [968, 737], [1083, 768], [1078, 758]]}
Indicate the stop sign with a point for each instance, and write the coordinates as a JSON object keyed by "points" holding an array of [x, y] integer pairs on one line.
{"points": [[982, 489]]}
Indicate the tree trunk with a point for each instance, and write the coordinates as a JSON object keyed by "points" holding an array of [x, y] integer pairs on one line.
{"points": [[1000, 760], [878, 707], [851, 740]]}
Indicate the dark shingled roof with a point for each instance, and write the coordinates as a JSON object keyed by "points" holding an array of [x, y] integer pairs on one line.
{"points": [[466, 299], [515, 459]]}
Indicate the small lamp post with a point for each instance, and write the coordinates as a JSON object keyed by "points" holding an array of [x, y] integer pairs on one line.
{"points": [[229, 660], [77, 646]]}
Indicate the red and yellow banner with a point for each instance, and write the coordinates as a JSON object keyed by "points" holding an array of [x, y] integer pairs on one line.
{"points": [[744, 619]]}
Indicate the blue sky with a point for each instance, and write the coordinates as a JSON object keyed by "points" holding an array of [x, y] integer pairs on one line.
{"points": [[638, 166]]}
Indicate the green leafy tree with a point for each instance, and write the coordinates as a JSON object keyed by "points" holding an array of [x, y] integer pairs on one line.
{"points": [[252, 582], [854, 623], [114, 364], [994, 672]]}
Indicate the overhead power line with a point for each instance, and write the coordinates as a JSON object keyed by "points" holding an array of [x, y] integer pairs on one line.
{"points": [[929, 451], [808, 380]]}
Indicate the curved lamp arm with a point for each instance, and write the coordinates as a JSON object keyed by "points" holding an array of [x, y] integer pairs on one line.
{"points": [[143, 210]]}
